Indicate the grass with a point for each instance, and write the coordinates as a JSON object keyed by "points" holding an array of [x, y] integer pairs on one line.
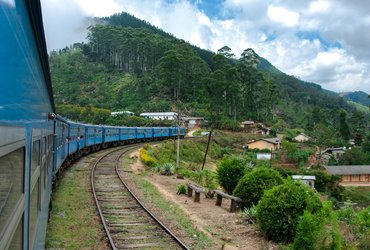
{"points": [[73, 221], [359, 195]]}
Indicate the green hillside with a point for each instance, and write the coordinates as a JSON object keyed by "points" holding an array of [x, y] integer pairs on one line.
{"points": [[128, 64]]}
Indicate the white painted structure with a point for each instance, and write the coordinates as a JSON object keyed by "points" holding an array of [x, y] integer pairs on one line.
{"points": [[121, 113], [160, 115], [263, 156], [309, 180]]}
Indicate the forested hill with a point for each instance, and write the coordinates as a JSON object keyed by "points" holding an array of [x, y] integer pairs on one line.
{"points": [[357, 96], [128, 64]]}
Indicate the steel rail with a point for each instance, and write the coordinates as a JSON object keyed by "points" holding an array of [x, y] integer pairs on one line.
{"points": [[126, 149]]}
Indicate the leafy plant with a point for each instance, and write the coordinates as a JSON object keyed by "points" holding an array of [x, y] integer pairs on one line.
{"points": [[147, 159], [229, 171], [181, 189], [167, 169], [279, 210], [205, 178], [253, 184], [249, 214]]}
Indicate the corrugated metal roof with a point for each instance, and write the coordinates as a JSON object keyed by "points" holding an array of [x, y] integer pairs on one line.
{"points": [[158, 114], [348, 169], [269, 140], [303, 177]]}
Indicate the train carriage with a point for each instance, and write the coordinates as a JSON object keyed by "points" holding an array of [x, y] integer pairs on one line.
{"points": [[144, 134], [26, 127], [111, 134], [127, 134], [35, 142]]}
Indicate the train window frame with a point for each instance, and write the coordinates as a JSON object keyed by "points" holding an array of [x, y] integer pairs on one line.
{"points": [[20, 226], [17, 205]]}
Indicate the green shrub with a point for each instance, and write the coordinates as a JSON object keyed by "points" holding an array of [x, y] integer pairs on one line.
{"points": [[280, 208], [205, 178], [229, 171], [181, 189], [308, 229], [252, 186], [167, 169], [249, 213]]}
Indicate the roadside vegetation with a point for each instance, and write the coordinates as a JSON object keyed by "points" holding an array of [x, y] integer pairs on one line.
{"points": [[74, 222], [287, 212]]}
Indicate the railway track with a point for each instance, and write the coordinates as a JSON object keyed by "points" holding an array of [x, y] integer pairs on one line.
{"points": [[127, 223]]}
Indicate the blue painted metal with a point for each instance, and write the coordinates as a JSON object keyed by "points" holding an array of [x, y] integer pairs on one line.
{"points": [[26, 101]]}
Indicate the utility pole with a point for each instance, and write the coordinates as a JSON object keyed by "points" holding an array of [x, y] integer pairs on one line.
{"points": [[178, 142]]}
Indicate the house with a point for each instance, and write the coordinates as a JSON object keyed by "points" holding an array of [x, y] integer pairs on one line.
{"points": [[336, 152], [247, 124], [302, 138], [192, 122], [265, 143], [160, 115], [121, 113], [351, 175], [309, 180], [263, 156]]}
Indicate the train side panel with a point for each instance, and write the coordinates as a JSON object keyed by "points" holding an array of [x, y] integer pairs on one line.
{"points": [[26, 127]]}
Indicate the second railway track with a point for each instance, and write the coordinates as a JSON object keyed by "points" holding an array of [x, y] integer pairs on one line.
{"points": [[128, 224]]}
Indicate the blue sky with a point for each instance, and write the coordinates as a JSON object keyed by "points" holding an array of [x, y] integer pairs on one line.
{"points": [[323, 41]]}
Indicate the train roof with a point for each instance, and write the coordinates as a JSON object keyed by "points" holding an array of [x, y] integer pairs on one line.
{"points": [[35, 15]]}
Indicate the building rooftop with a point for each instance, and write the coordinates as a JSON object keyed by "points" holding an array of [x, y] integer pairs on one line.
{"points": [[158, 113], [348, 169], [303, 177], [269, 140]]}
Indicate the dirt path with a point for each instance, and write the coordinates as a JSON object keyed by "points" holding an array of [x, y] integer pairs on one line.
{"points": [[191, 132], [227, 230]]}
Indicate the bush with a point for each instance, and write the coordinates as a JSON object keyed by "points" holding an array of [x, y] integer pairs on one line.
{"points": [[147, 159], [229, 171], [308, 229], [249, 214], [280, 208], [251, 187], [166, 169], [181, 189], [205, 178]]}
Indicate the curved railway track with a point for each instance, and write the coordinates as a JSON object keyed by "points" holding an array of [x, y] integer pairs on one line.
{"points": [[127, 223]]}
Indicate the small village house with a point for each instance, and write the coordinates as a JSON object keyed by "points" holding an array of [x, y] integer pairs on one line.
{"points": [[248, 124], [265, 143], [351, 175], [335, 152], [192, 122], [160, 115], [309, 180]]}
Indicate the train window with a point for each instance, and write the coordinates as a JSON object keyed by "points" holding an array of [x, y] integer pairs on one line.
{"points": [[11, 183], [43, 146], [35, 157], [34, 211], [17, 241]]}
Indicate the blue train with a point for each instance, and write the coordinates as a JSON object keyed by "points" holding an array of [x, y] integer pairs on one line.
{"points": [[35, 143]]}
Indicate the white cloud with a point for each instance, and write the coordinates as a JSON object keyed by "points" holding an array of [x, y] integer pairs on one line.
{"points": [[100, 8], [333, 50], [283, 16], [319, 6]]}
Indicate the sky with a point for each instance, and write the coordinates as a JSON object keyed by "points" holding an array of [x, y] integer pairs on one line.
{"points": [[322, 41]]}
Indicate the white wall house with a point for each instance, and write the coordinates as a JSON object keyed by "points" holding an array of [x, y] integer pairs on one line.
{"points": [[116, 113], [160, 115]]}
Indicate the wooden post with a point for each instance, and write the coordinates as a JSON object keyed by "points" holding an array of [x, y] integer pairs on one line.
{"points": [[190, 192], [205, 155], [219, 200], [197, 196]]}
